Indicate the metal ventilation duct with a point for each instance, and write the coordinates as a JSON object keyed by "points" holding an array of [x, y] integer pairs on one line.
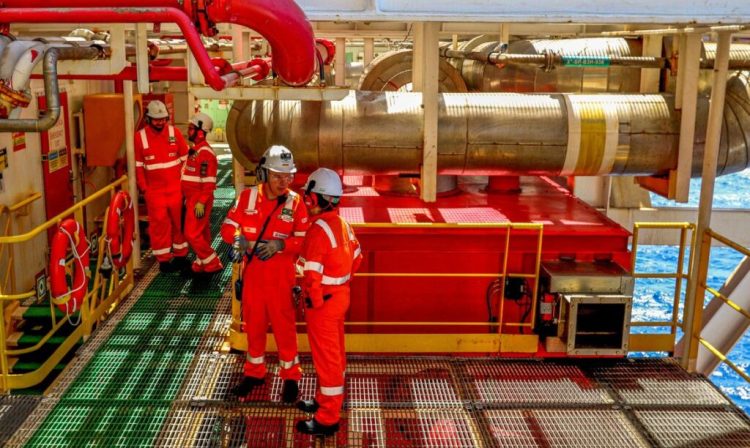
{"points": [[491, 133]]}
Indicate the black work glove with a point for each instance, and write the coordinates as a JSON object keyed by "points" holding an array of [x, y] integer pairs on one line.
{"points": [[267, 249], [310, 304]]}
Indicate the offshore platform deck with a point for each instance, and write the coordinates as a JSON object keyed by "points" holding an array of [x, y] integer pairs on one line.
{"points": [[158, 373]]}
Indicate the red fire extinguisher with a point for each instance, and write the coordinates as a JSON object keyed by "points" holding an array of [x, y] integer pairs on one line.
{"points": [[547, 309]]}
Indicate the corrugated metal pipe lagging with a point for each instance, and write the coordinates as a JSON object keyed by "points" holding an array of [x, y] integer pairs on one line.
{"points": [[491, 133]]}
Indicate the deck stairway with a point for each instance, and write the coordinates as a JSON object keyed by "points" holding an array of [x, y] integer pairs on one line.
{"points": [[155, 374]]}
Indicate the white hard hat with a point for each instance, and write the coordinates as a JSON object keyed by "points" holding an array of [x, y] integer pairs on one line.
{"points": [[202, 121], [279, 159], [324, 181], [157, 109]]}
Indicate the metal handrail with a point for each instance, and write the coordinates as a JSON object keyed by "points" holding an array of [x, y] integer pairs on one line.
{"points": [[10, 276], [60, 216], [679, 275], [95, 304], [724, 359], [710, 234], [539, 227]]}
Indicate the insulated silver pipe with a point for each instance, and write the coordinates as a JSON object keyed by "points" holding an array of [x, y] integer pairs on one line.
{"points": [[491, 133], [51, 90], [483, 77]]}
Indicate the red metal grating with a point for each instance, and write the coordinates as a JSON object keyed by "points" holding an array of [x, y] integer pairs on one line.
{"points": [[531, 383], [657, 383], [574, 428], [401, 384], [707, 428]]}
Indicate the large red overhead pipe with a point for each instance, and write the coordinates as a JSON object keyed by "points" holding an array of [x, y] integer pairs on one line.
{"points": [[281, 22]]}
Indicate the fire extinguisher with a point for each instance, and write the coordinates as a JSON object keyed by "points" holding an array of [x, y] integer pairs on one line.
{"points": [[547, 322], [547, 309]]}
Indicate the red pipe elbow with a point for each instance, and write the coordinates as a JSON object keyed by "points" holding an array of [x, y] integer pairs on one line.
{"points": [[285, 27], [281, 22]]}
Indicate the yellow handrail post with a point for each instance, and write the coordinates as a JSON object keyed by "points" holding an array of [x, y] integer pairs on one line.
{"points": [[503, 280], [678, 281], [694, 305], [4, 369]]}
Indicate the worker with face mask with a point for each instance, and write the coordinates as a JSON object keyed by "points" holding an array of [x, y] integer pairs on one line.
{"points": [[160, 151], [330, 257], [198, 185], [266, 227]]}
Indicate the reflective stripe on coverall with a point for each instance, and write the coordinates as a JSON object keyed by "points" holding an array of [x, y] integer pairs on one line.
{"points": [[158, 163], [198, 185], [331, 255], [267, 285]]}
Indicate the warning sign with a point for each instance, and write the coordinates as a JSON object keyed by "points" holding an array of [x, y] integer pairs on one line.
{"points": [[19, 141]]}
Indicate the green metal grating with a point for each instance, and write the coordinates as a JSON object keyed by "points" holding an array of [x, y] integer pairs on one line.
{"points": [[196, 304], [104, 424], [146, 342], [132, 374], [165, 323], [124, 393]]}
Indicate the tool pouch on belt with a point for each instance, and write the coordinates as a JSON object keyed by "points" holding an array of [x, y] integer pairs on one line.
{"points": [[238, 289]]}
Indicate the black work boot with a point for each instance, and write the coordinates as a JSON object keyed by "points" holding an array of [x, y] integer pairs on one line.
{"points": [[289, 391], [181, 263], [314, 428], [308, 406], [167, 267], [246, 386]]}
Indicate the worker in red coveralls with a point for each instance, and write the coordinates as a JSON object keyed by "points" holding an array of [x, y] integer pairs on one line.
{"points": [[198, 185], [160, 151], [266, 227], [330, 256]]}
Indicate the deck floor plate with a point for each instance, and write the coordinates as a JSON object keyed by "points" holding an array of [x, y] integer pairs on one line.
{"points": [[696, 428], [657, 382]]}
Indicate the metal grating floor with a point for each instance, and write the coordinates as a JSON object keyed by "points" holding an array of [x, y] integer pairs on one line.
{"points": [[454, 402]]}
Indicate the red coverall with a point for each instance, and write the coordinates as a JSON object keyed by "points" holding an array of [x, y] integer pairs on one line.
{"points": [[158, 164], [267, 285], [331, 255], [198, 185]]}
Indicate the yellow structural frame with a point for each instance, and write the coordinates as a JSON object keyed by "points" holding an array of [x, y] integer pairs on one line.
{"points": [[432, 342]]}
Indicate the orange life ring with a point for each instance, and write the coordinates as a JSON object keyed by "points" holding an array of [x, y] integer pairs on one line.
{"points": [[120, 237], [69, 236]]}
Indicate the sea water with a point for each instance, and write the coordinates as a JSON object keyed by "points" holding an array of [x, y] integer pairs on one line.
{"points": [[653, 298]]}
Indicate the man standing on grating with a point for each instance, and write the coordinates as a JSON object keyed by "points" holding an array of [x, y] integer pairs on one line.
{"points": [[330, 256]]}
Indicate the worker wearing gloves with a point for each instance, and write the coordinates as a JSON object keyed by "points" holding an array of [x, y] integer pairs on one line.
{"points": [[198, 185], [266, 227], [160, 151], [330, 256]]}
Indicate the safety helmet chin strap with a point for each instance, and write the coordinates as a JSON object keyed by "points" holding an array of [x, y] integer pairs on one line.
{"points": [[261, 174], [322, 199]]}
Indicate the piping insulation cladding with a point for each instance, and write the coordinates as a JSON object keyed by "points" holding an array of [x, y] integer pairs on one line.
{"points": [[492, 133]]}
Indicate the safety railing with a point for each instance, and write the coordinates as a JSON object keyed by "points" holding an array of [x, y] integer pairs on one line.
{"points": [[680, 275], [702, 288], [237, 339], [7, 257], [101, 299]]}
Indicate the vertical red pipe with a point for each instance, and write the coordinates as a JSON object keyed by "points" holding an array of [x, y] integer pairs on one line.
{"points": [[281, 22]]}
